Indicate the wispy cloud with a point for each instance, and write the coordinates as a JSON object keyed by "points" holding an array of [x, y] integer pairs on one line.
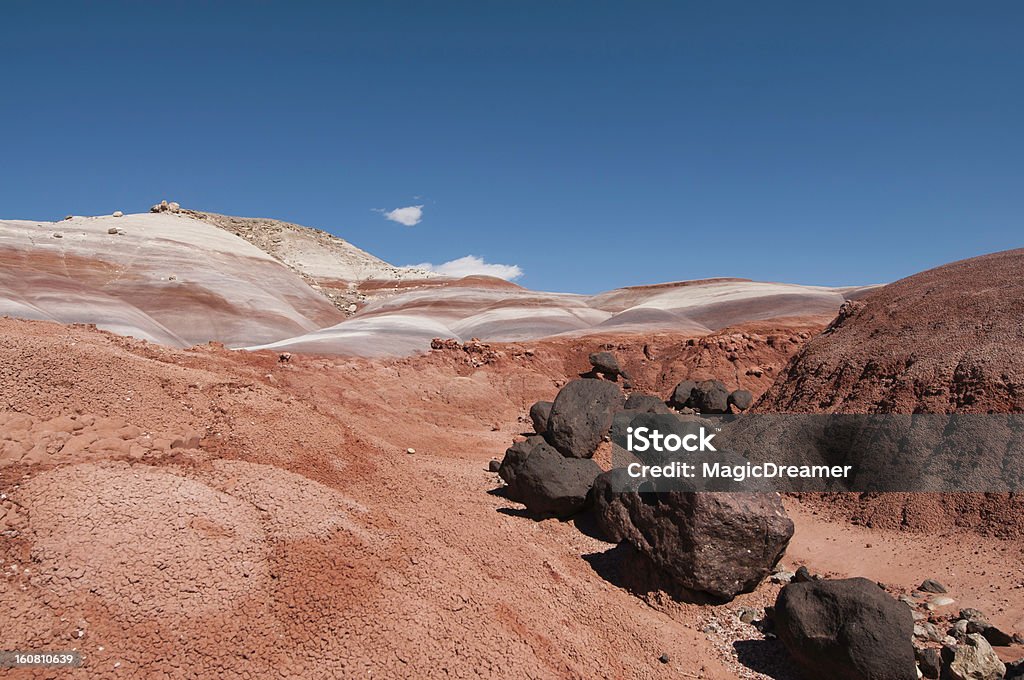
{"points": [[472, 265], [410, 215]]}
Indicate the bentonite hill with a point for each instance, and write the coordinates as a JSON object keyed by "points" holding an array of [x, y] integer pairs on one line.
{"points": [[947, 340], [328, 503]]}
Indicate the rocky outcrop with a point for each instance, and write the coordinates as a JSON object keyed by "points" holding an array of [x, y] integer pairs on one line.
{"points": [[846, 629], [974, 660], [947, 340], [164, 206], [581, 415]]}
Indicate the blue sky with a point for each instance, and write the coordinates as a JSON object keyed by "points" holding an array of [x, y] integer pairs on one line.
{"points": [[592, 144]]}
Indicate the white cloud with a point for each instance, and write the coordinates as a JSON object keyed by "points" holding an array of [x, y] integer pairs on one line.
{"points": [[472, 265], [410, 216]]}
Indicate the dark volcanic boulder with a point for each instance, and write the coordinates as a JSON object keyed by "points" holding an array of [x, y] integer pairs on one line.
{"points": [[719, 543], [682, 394], [647, 403], [514, 458], [539, 414], [741, 399], [549, 484], [710, 396], [847, 629], [581, 416], [606, 364], [611, 514]]}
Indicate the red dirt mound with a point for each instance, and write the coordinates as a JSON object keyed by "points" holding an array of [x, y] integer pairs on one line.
{"points": [[947, 340]]}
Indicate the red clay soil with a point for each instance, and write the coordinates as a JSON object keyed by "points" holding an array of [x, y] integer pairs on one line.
{"points": [[209, 513], [947, 340]]}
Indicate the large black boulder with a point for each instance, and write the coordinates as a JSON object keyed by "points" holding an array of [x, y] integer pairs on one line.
{"points": [[611, 515], [721, 543], [581, 415], [847, 629], [514, 458], [682, 394], [710, 396], [539, 414], [551, 485]]}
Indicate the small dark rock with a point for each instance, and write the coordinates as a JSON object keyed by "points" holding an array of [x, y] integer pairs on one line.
{"points": [[931, 586], [494, 465], [802, 575], [741, 399], [995, 636], [664, 658], [606, 364], [539, 414], [971, 614], [929, 661], [514, 458]]}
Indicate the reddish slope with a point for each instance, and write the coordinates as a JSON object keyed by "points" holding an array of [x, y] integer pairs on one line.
{"points": [[950, 339], [947, 340]]}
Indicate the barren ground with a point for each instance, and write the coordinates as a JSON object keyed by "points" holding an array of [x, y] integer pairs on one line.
{"points": [[203, 512]]}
